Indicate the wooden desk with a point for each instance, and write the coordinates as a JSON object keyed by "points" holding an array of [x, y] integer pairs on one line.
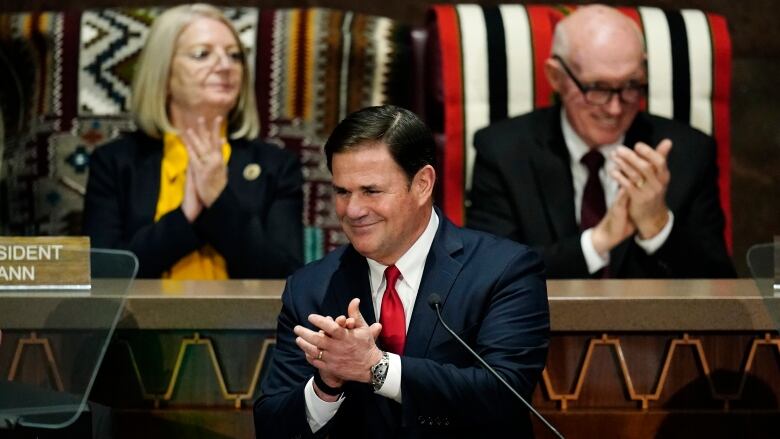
{"points": [[577, 305], [630, 358]]}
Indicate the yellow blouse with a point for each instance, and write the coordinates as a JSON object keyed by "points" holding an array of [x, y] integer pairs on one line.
{"points": [[206, 262]]}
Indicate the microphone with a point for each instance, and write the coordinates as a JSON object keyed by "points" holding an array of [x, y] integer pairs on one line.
{"points": [[434, 301]]}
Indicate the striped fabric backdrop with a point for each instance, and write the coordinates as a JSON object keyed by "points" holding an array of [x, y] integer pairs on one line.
{"points": [[315, 66], [492, 60]]}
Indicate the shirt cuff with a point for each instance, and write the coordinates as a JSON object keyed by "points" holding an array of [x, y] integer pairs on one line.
{"points": [[651, 245], [392, 385], [593, 259], [318, 412]]}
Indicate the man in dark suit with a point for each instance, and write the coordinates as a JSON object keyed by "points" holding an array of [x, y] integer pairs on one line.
{"points": [[385, 367], [560, 179]]}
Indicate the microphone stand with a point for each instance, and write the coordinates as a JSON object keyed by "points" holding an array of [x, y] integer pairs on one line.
{"points": [[435, 302]]}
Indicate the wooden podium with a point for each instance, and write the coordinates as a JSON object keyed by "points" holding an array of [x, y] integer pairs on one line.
{"points": [[628, 358]]}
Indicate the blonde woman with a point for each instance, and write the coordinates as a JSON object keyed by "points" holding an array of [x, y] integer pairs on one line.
{"points": [[193, 193]]}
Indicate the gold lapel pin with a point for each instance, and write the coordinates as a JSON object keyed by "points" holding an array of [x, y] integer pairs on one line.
{"points": [[252, 171]]}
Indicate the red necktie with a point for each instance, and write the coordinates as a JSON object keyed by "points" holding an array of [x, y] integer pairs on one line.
{"points": [[392, 318], [593, 204]]}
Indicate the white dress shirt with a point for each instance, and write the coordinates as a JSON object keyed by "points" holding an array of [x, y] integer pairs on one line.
{"points": [[411, 265], [579, 173]]}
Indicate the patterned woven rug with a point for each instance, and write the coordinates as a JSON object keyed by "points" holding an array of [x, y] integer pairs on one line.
{"points": [[65, 87]]}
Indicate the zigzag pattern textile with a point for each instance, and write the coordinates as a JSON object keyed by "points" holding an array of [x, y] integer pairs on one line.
{"points": [[65, 89]]}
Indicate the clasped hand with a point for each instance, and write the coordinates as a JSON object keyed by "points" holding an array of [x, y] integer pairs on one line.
{"points": [[206, 169], [640, 206], [343, 349]]}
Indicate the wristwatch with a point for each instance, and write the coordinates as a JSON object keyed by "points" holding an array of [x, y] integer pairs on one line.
{"points": [[379, 372]]}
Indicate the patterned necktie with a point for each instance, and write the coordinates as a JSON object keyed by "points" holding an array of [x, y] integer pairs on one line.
{"points": [[392, 317], [593, 204]]}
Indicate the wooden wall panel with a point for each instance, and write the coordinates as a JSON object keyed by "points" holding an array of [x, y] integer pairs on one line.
{"points": [[628, 385]]}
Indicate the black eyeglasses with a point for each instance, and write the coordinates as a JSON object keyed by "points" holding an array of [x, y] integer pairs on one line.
{"points": [[598, 95]]}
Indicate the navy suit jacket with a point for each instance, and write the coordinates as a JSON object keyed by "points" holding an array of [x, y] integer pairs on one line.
{"points": [[256, 225], [494, 295], [522, 190]]}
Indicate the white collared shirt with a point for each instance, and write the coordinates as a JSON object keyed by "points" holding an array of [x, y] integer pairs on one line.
{"points": [[411, 265], [579, 173]]}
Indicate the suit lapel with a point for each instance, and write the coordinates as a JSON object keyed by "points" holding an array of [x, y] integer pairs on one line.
{"points": [[147, 193], [240, 157], [349, 281], [440, 272], [639, 131], [550, 164]]}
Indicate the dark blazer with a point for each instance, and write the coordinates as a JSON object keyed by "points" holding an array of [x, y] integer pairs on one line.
{"points": [[494, 295], [522, 189], [254, 224]]}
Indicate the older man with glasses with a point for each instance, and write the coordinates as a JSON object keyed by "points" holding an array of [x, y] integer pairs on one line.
{"points": [[594, 182]]}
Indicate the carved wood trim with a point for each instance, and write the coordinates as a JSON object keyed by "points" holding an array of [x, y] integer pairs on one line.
{"points": [[51, 363], [236, 397], [563, 399]]}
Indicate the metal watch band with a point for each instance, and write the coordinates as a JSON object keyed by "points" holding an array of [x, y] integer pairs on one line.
{"points": [[379, 372]]}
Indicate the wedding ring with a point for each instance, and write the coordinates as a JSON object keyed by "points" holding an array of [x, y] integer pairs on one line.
{"points": [[319, 356], [640, 183]]}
